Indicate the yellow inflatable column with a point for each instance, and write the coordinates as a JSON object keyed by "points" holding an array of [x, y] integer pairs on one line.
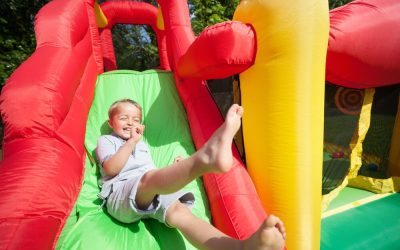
{"points": [[283, 98]]}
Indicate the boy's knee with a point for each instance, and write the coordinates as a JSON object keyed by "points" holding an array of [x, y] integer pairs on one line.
{"points": [[145, 184], [176, 213]]}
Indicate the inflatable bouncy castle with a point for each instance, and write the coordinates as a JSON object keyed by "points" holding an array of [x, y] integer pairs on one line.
{"points": [[361, 153], [54, 107]]}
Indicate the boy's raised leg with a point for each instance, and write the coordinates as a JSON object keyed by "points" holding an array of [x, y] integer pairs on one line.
{"points": [[215, 156]]}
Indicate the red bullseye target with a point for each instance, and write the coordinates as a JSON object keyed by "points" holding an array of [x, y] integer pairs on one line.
{"points": [[349, 101]]}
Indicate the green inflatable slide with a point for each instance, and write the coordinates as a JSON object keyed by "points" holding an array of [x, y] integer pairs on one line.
{"points": [[167, 135]]}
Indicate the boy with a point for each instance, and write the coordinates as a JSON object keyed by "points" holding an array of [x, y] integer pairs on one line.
{"points": [[134, 189]]}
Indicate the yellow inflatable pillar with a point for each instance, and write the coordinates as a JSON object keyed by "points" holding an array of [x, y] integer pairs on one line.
{"points": [[283, 99]]}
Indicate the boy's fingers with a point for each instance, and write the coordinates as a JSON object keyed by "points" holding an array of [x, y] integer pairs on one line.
{"points": [[139, 129]]}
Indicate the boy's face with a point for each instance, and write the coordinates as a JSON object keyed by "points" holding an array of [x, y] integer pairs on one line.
{"points": [[126, 118]]}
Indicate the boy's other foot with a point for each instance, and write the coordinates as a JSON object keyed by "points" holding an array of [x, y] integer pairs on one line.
{"points": [[270, 236]]}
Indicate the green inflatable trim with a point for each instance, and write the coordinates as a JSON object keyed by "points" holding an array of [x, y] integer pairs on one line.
{"points": [[167, 135], [349, 195], [373, 226]]}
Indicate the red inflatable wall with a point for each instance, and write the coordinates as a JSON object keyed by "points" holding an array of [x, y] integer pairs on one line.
{"points": [[44, 106], [364, 44]]}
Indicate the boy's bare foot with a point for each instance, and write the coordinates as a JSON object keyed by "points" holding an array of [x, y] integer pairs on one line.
{"points": [[270, 236], [216, 154]]}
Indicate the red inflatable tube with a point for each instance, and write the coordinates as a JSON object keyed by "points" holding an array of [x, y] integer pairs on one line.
{"points": [[110, 63], [235, 206], [364, 49], [44, 106], [220, 51], [127, 12]]}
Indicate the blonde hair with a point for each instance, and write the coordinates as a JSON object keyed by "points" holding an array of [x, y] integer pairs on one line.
{"points": [[113, 107]]}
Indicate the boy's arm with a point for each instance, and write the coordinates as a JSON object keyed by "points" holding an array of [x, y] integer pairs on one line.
{"points": [[113, 165]]}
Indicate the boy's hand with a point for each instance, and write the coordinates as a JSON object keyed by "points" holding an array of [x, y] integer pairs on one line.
{"points": [[136, 133]]}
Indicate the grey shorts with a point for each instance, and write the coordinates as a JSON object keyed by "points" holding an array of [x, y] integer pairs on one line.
{"points": [[122, 206]]}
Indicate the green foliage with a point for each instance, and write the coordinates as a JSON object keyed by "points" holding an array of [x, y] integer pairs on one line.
{"points": [[17, 39], [336, 3], [135, 47], [208, 12]]}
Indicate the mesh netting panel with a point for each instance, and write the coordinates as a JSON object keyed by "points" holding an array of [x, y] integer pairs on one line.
{"points": [[342, 109], [377, 142]]}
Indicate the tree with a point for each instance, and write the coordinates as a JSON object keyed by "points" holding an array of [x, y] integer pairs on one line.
{"points": [[208, 12], [17, 38], [135, 47], [337, 3]]}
